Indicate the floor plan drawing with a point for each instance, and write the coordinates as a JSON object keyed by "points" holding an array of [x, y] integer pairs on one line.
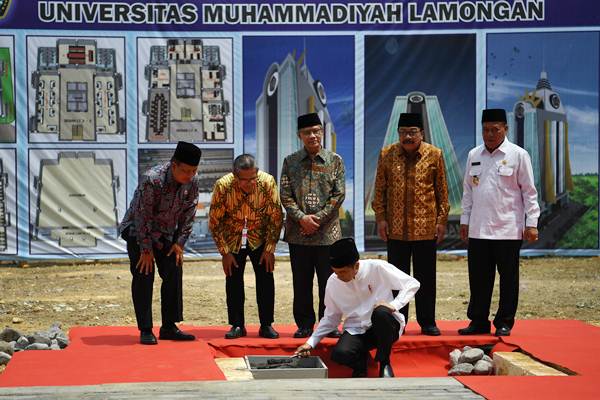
{"points": [[77, 89], [76, 199], [185, 93]]}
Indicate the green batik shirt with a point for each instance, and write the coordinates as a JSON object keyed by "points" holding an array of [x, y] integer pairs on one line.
{"points": [[313, 186]]}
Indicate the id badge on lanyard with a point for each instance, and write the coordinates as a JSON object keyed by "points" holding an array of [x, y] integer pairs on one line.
{"points": [[245, 233]]}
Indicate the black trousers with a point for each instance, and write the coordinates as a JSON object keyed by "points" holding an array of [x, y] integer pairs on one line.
{"points": [[265, 289], [483, 258], [305, 261], [423, 254], [352, 350], [171, 290]]}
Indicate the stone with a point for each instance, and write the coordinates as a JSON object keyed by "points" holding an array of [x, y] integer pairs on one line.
{"points": [[53, 332], [483, 368], [471, 356], [7, 348], [466, 348], [37, 338], [487, 358], [63, 341], [17, 320], [454, 356], [54, 345], [4, 358], [23, 341], [37, 346], [9, 334], [461, 369]]}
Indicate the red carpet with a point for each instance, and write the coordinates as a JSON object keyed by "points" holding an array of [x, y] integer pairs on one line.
{"points": [[112, 355], [571, 344]]}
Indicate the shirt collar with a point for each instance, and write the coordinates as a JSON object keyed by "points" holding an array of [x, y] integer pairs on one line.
{"points": [[321, 154], [420, 150], [169, 174], [360, 274], [503, 147], [169, 179]]}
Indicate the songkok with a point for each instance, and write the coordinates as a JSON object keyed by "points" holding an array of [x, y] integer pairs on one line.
{"points": [[308, 120], [493, 115], [409, 120], [343, 253], [187, 153]]}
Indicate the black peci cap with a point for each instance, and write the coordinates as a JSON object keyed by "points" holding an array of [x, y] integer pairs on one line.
{"points": [[187, 153], [343, 253]]}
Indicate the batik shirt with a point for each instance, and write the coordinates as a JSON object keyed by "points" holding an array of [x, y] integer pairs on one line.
{"points": [[260, 210], [411, 193], [313, 186], [161, 209]]}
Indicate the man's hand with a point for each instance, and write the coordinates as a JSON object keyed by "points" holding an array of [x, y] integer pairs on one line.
{"points": [[530, 234], [229, 262], [304, 350], [440, 232], [268, 259], [309, 224], [178, 251], [382, 230], [464, 233], [146, 263], [386, 305]]}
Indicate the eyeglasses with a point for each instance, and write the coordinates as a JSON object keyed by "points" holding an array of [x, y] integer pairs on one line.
{"points": [[409, 132], [315, 131]]}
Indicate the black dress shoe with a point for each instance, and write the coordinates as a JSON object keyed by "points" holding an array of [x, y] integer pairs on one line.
{"points": [[303, 332], [503, 331], [431, 330], [359, 373], [474, 330], [174, 333], [147, 337], [386, 371], [334, 334], [268, 332], [235, 332]]}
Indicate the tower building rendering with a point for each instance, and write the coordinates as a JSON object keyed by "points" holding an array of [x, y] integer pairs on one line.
{"points": [[539, 124], [289, 90]]}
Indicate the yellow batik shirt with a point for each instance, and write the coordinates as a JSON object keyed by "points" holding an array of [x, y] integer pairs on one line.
{"points": [[411, 194], [231, 206]]}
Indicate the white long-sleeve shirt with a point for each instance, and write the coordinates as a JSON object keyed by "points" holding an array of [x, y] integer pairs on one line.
{"points": [[499, 194], [356, 299]]}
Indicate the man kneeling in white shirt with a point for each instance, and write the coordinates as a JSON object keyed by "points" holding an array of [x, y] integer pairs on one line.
{"points": [[361, 292]]}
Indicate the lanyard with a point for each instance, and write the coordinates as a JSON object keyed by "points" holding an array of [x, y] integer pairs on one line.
{"points": [[245, 233]]}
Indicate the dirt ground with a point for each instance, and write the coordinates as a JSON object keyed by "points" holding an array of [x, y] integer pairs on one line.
{"points": [[99, 294]]}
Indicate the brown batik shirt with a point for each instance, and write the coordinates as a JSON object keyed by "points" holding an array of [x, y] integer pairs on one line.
{"points": [[411, 193]]}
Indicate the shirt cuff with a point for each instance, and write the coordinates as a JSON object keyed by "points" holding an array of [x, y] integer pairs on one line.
{"points": [[223, 250], [464, 219], [313, 341], [145, 244], [270, 247], [181, 241], [531, 222]]}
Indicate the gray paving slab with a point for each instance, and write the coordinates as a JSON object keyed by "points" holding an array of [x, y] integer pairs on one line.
{"points": [[297, 389]]}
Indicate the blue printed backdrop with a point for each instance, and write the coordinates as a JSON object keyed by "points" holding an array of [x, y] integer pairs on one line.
{"points": [[87, 107]]}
